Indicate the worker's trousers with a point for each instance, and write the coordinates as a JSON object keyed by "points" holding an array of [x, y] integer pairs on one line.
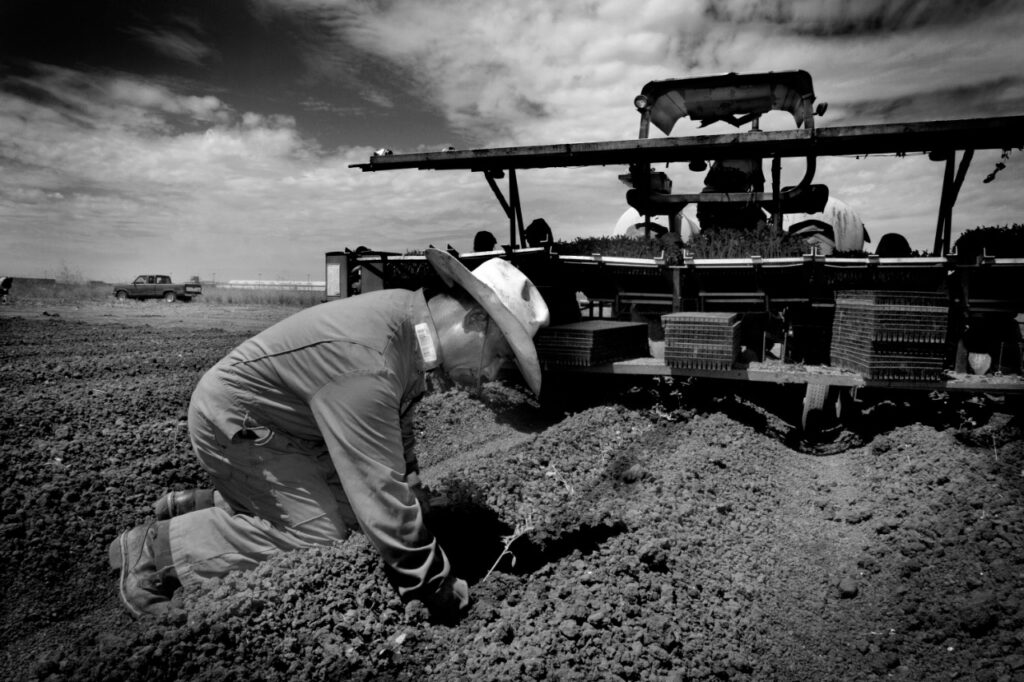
{"points": [[282, 496]]}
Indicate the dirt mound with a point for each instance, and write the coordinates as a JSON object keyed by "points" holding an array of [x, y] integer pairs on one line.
{"points": [[654, 533]]}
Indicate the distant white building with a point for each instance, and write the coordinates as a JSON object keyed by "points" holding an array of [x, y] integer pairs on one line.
{"points": [[277, 284]]}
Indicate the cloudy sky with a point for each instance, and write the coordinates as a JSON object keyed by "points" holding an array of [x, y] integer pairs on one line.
{"points": [[214, 137]]}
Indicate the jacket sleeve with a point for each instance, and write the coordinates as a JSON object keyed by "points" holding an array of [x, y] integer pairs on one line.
{"points": [[408, 423], [359, 416]]}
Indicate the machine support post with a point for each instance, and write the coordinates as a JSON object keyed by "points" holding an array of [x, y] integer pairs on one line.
{"points": [[940, 224], [950, 190], [491, 175], [776, 194], [961, 173], [517, 210], [645, 123], [513, 208], [677, 290]]}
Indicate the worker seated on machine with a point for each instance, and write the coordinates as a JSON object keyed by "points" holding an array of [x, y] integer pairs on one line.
{"points": [[538, 233], [893, 245], [838, 228], [676, 228], [732, 176], [484, 241]]}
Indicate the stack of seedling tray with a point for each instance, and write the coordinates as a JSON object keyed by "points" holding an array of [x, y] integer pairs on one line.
{"points": [[701, 340], [591, 342], [891, 334]]}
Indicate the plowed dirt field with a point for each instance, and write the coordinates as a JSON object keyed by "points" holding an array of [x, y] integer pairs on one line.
{"points": [[662, 530]]}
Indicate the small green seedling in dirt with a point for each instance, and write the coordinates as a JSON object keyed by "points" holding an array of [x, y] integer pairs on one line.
{"points": [[522, 528]]}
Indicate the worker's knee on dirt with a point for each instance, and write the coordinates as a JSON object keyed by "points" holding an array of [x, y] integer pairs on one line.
{"points": [[210, 543], [292, 489], [293, 510]]}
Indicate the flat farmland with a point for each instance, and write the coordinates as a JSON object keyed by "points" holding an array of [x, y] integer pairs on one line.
{"points": [[663, 531]]}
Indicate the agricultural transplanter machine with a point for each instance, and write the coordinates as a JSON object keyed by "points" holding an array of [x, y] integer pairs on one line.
{"points": [[846, 322]]}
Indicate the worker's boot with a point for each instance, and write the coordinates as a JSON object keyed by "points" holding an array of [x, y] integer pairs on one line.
{"points": [[181, 502], [147, 582]]}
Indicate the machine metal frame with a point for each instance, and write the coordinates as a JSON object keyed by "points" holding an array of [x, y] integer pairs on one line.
{"points": [[973, 286]]}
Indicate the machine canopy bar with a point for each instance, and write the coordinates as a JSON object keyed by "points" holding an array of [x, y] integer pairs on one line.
{"points": [[1003, 132]]}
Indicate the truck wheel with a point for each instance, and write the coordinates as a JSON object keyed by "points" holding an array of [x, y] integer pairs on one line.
{"points": [[170, 297], [122, 295]]}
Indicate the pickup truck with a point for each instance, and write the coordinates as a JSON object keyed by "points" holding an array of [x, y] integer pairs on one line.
{"points": [[157, 286]]}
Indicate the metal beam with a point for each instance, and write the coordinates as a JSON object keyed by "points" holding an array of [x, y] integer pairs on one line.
{"points": [[980, 133], [776, 373]]}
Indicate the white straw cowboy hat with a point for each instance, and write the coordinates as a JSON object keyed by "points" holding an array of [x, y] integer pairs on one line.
{"points": [[508, 297]]}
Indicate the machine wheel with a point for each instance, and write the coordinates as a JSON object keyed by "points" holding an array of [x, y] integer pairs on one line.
{"points": [[170, 297], [822, 408], [122, 295]]}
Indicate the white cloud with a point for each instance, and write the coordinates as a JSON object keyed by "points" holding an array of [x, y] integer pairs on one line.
{"points": [[112, 191], [177, 45], [536, 73], [124, 174]]}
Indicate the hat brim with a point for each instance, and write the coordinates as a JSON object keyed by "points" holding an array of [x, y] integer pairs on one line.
{"points": [[519, 340]]}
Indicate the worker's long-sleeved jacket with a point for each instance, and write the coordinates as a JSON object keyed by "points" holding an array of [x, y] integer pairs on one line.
{"points": [[345, 376]]}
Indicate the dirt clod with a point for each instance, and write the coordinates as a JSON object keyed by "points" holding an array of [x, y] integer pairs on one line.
{"points": [[848, 588]]}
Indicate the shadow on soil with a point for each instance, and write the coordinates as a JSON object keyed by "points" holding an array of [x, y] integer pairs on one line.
{"points": [[474, 537], [848, 420]]}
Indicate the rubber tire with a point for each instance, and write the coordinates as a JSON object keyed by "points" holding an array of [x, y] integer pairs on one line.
{"points": [[121, 295], [815, 400], [170, 297], [823, 407]]}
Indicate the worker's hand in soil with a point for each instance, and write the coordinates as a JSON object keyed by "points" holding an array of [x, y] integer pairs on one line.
{"points": [[449, 602], [424, 495]]}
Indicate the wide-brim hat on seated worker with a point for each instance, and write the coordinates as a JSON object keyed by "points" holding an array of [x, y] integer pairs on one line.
{"points": [[508, 297]]}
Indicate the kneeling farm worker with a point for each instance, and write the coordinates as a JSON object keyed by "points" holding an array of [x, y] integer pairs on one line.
{"points": [[306, 430]]}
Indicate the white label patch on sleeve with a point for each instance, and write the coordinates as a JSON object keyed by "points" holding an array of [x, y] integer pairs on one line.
{"points": [[426, 342]]}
